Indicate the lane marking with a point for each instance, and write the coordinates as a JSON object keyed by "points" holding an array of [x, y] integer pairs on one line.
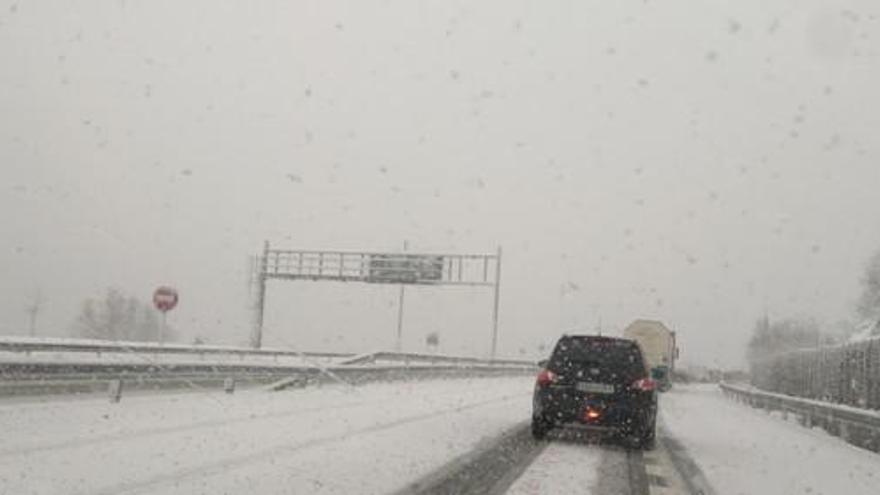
{"points": [[657, 480], [671, 470], [662, 476], [685, 466]]}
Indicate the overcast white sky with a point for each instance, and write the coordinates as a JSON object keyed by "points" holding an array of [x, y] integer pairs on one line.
{"points": [[692, 161]]}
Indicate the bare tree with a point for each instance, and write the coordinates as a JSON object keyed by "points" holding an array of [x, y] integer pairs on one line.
{"points": [[117, 317], [785, 335], [147, 328], [869, 302], [432, 341], [88, 322], [33, 310]]}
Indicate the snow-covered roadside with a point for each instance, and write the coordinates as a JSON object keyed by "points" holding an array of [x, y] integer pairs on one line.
{"points": [[372, 440], [746, 451]]}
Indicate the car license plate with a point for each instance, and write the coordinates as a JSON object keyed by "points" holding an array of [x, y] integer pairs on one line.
{"points": [[595, 388]]}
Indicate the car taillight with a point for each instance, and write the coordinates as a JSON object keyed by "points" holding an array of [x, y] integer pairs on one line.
{"points": [[645, 385], [546, 377]]}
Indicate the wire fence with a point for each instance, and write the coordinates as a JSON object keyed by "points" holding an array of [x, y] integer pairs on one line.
{"points": [[846, 374]]}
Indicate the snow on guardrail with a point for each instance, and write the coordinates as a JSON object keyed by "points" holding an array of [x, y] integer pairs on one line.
{"points": [[36, 351], [860, 427], [415, 358], [41, 366], [34, 344], [17, 380]]}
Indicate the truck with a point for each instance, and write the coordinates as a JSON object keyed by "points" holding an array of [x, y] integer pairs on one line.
{"points": [[659, 347]]}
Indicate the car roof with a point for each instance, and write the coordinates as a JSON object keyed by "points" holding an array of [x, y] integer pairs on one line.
{"points": [[595, 337], [618, 342]]}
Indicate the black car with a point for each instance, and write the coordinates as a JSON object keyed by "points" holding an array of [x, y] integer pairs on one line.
{"points": [[596, 383]]}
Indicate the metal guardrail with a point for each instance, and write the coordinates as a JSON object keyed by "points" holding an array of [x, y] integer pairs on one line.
{"points": [[40, 374], [18, 379], [97, 346], [410, 357], [151, 349], [858, 427]]}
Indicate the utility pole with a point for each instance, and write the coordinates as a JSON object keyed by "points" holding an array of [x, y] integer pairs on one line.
{"points": [[260, 304], [495, 304], [33, 310], [399, 345]]}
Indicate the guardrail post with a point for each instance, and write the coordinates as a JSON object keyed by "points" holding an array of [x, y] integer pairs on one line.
{"points": [[843, 431], [807, 419], [229, 385], [115, 390]]}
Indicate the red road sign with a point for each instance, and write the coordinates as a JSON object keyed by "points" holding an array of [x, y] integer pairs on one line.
{"points": [[165, 298]]}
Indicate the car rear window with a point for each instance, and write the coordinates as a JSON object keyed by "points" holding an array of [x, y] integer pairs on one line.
{"points": [[609, 360]]}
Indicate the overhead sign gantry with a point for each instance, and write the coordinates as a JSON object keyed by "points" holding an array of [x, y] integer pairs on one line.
{"points": [[403, 268]]}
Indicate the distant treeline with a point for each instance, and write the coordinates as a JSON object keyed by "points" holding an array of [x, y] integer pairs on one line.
{"points": [[117, 316]]}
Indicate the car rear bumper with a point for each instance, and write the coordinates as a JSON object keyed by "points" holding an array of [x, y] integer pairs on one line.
{"points": [[604, 430], [563, 409]]}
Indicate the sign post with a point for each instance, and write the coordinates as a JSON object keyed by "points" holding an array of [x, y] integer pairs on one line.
{"points": [[401, 268], [165, 299]]}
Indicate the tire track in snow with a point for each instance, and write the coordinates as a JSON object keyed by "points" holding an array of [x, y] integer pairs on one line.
{"points": [[238, 461], [125, 436], [490, 468]]}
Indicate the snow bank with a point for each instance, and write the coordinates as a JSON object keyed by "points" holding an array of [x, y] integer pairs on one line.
{"points": [[746, 451]]}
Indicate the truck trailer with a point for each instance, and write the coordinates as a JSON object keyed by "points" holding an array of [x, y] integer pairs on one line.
{"points": [[659, 347]]}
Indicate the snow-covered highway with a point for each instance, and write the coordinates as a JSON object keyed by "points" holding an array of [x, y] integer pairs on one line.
{"points": [[437, 436], [329, 440]]}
